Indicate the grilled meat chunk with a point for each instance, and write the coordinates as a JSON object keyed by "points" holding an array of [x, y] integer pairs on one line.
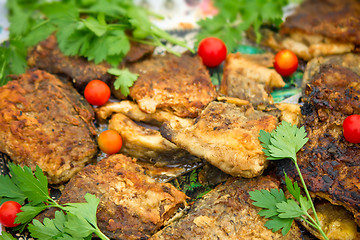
{"points": [[133, 111], [248, 80], [132, 205], [318, 28], [47, 55], [45, 122], [226, 136], [178, 84], [331, 165], [145, 143], [226, 213], [334, 19]]}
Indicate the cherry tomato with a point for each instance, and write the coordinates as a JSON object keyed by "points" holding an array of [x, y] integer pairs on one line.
{"points": [[351, 128], [212, 51], [286, 62], [8, 211], [110, 141], [97, 92]]}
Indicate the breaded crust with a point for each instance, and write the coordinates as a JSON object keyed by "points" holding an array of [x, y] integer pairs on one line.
{"points": [[226, 136], [335, 19], [46, 122], [331, 165], [132, 205], [179, 84], [227, 213], [246, 79]]}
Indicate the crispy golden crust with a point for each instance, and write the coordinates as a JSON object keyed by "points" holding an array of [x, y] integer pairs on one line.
{"points": [[227, 213], [132, 205], [47, 55], [45, 122], [338, 20], [331, 165], [145, 143], [226, 136], [179, 84], [245, 79]]}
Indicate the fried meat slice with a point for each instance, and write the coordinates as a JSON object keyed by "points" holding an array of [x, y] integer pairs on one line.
{"points": [[46, 122], [145, 143], [179, 84], [227, 213], [245, 79], [47, 55], [334, 19], [132, 205], [330, 165], [226, 136], [318, 28], [133, 111]]}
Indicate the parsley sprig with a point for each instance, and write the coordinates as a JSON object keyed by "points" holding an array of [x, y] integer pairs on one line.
{"points": [[284, 142], [31, 190], [99, 30], [235, 17]]}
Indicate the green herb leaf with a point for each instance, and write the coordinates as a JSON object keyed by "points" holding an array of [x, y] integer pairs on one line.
{"points": [[29, 212], [284, 142], [276, 223], [293, 189], [289, 209], [124, 80], [9, 191], [267, 200], [35, 188], [6, 236]]}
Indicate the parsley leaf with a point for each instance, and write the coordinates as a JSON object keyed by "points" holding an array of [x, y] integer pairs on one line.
{"points": [[9, 191], [235, 17], [124, 80], [268, 200], [6, 236], [284, 142]]}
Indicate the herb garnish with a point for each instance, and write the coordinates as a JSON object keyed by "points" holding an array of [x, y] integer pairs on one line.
{"points": [[30, 188], [284, 142], [99, 30], [235, 17]]}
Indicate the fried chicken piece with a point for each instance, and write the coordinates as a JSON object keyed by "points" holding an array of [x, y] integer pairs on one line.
{"points": [[47, 55], [226, 136], [46, 122], [179, 84], [330, 165], [133, 111], [318, 28], [145, 143], [245, 79], [334, 19], [132, 205], [227, 213]]}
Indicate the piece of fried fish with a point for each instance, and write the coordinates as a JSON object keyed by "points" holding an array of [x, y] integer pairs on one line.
{"points": [[46, 122], [132, 205], [227, 213], [226, 136]]}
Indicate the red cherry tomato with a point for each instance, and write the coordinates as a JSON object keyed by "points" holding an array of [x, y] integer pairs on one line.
{"points": [[286, 62], [110, 141], [351, 128], [97, 92], [212, 51], [8, 211]]}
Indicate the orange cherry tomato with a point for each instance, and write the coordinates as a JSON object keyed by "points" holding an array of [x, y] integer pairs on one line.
{"points": [[8, 211], [285, 63], [97, 92], [110, 141]]}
